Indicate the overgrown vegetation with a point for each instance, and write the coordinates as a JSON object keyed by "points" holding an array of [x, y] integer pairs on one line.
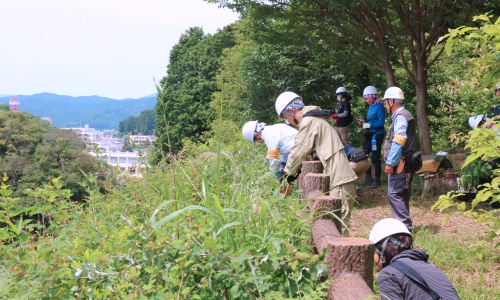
{"points": [[33, 152], [484, 143], [194, 228], [206, 221]]}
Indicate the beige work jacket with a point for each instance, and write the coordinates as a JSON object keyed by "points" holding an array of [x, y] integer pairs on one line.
{"points": [[317, 138]]}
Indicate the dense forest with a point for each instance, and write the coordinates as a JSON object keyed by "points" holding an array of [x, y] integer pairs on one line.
{"points": [[205, 219], [143, 124]]}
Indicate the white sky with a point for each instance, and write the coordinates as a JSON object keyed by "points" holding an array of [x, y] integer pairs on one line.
{"points": [[109, 48]]}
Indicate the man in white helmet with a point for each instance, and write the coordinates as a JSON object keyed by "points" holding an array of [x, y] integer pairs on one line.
{"points": [[317, 138], [279, 139], [405, 272], [399, 146]]}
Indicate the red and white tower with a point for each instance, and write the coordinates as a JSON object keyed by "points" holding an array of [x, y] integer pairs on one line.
{"points": [[14, 102]]}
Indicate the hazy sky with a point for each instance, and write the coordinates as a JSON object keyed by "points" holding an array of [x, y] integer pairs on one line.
{"points": [[109, 48]]}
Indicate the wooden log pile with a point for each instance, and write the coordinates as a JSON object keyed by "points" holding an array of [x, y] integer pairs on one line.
{"points": [[350, 259]]}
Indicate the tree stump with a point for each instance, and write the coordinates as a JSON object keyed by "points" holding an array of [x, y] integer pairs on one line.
{"points": [[311, 166], [440, 182]]}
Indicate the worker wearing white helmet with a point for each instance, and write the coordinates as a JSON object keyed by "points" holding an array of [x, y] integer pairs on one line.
{"points": [[343, 115], [477, 121], [317, 139], [399, 146], [480, 120], [405, 272], [278, 138], [373, 133]]}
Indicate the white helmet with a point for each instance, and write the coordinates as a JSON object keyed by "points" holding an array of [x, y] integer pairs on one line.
{"points": [[498, 85], [248, 131], [283, 100], [394, 93], [370, 90], [475, 120], [385, 228], [341, 90]]}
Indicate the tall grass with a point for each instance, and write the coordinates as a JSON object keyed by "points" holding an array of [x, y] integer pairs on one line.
{"points": [[209, 225]]}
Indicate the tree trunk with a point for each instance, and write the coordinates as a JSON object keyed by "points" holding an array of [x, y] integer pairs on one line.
{"points": [[421, 113]]}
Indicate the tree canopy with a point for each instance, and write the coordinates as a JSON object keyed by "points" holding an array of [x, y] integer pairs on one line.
{"points": [[32, 152], [384, 34], [185, 93], [143, 124]]}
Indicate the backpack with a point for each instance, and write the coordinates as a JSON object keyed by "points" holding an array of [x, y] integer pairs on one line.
{"points": [[416, 161]]}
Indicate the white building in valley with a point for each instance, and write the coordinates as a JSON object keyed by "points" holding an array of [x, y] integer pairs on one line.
{"points": [[107, 146]]}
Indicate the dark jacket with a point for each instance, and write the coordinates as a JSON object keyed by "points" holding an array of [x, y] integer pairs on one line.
{"points": [[344, 106], [395, 285]]}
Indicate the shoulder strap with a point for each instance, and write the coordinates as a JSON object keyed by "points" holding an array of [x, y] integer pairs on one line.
{"points": [[415, 277], [318, 113]]}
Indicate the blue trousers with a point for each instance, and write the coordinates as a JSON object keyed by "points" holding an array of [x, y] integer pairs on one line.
{"points": [[399, 198]]}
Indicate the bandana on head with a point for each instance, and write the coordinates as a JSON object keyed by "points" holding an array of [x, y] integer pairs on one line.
{"points": [[295, 104], [259, 127]]}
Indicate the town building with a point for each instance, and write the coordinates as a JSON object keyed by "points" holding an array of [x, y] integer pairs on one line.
{"points": [[107, 145]]}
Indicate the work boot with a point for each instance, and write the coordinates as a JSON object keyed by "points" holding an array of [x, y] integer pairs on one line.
{"points": [[375, 184], [368, 180]]}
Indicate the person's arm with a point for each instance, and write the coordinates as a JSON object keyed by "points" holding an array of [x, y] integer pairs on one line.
{"points": [[400, 126], [389, 287], [302, 147], [344, 114]]}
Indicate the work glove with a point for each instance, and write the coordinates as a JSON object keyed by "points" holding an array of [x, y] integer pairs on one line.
{"points": [[291, 178]]}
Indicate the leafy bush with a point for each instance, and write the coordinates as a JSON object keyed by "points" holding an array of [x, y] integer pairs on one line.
{"points": [[484, 144]]}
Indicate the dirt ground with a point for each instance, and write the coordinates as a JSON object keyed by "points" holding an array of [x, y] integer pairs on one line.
{"points": [[373, 205]]}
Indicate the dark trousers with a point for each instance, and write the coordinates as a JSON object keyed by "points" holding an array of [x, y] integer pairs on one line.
{"points": [[399, 198], [375, 155]]}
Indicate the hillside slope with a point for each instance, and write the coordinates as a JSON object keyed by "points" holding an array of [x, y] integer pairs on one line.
{"points": [[67, 111]]}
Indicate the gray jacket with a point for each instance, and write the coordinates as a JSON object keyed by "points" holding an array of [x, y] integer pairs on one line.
{"points": [[395, 285]]}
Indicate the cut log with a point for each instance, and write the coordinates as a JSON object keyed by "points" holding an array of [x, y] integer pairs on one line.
{"points": [[328, 207], [352, 256], [350, 287], [311, 166], [324, 232], [315, 185]]}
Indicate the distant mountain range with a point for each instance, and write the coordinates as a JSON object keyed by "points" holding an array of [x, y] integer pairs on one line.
{"points": [[67, 111]]}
